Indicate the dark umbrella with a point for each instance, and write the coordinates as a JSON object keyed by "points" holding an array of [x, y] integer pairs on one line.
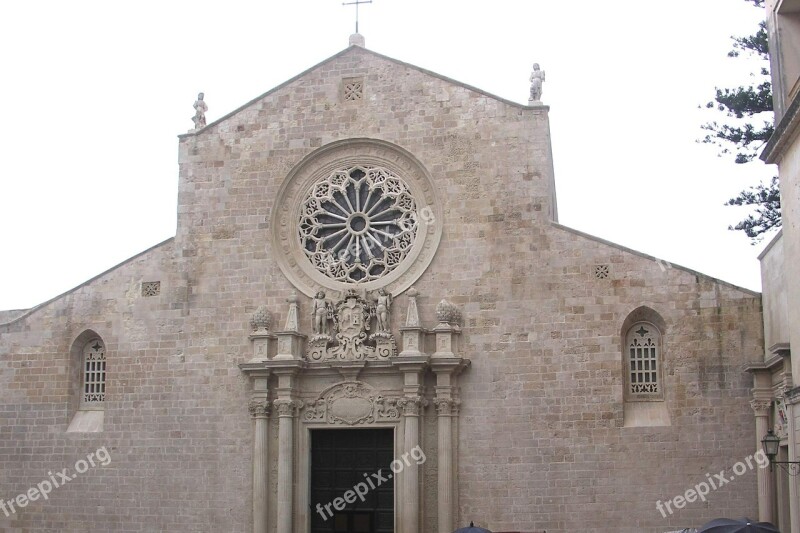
{"points": [[742, 525], [471, 529]]}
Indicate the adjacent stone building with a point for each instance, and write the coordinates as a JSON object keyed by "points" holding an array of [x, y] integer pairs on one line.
{"points": [[775, 391], [370, 319]]}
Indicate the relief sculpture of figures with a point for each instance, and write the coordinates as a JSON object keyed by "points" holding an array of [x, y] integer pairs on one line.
{"points": [[200, 109], [537, 79], [319, 314], [382, 310]]}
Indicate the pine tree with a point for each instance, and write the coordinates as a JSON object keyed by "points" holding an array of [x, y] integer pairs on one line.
{"points": [[749, 125]]}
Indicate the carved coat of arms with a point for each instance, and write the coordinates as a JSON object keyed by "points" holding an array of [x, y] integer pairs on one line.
{"points": [[352, 342]]}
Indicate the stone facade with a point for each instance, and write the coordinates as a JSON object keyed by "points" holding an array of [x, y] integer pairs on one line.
{"points": [[519, 402], [776, 379]]}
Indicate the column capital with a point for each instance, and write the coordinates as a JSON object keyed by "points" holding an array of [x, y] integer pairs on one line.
{"points": [[411, 405], [287, 407], [446, 406], [761, 407], [259, 408]]}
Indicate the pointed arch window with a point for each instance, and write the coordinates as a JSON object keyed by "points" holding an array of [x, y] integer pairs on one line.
{"points": [[643, 354], [94, 373]]}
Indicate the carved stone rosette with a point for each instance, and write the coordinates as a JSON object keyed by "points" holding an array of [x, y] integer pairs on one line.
{"points": [[351, 403], [287, 408], [259, 408], [412, 405]]}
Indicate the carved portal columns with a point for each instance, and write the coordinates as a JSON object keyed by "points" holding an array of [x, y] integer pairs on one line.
{"points": [[287, 408], [259, 410], [378, 387], [411, 404], [766, 493], [447, 406]]}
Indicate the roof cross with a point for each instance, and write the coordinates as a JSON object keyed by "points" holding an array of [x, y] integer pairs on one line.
{"points": [[357, 3]]}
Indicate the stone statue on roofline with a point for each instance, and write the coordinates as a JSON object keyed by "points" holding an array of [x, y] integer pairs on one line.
{"points": [[200, 109], [537, 79]]}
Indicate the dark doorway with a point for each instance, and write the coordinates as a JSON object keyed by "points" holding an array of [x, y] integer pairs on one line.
{"points": [[355, 461]]}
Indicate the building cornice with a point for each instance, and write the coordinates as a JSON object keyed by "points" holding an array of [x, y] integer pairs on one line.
{"points": [[785, 133]]}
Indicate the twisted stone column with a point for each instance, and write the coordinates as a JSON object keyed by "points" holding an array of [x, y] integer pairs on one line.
{"points": [[766, 493], [287, 410], [259, 410]]}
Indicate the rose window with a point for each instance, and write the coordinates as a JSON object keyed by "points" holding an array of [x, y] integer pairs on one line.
{"points": [[358, 224]]}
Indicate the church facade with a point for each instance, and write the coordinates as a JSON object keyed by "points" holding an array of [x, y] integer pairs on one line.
{"points": [[370, 320]]}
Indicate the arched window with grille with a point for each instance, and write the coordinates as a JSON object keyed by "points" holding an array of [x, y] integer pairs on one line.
{"points": [[94, 374], [644, 357], [643, 354]]}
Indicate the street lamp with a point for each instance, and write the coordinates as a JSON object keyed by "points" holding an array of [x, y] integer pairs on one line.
{"points": [[771, 442]]}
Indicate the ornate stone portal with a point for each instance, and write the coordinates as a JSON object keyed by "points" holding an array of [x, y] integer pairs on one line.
{"points": [[347, 372]]}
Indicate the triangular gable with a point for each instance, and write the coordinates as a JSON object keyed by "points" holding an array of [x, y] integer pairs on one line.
{"points": [[353, 49]]}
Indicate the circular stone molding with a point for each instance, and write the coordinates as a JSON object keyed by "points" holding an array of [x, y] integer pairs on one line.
{"points": [[356, 214]]}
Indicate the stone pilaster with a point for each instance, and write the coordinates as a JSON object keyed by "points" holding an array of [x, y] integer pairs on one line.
{"points": [[411, 406], [766, 493], [444, 409], [792, 397], [259, 410], [287, 410], [447, 405]]}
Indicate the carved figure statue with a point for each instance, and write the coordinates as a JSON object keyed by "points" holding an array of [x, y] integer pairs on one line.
{"points": [[200, 109], [319, 314], [382, 310], [537, 78]]}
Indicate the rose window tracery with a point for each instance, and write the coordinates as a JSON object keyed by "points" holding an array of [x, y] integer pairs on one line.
{"points": [[358, 223]]}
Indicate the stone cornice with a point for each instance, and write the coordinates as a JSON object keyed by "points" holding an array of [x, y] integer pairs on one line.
{"points": [[277, 367], [793, 395], [785, 133], [770, 365]]}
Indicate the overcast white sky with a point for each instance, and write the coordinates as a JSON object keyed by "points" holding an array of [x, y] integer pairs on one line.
{"points": [[94, 94]]}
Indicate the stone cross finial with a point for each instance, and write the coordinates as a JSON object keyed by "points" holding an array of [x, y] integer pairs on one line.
{"points": [[537, 79], [200, 109], [357, 3]]}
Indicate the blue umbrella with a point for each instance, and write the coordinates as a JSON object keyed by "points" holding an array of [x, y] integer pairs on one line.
{"points": [[472, 529], [742, 525]]}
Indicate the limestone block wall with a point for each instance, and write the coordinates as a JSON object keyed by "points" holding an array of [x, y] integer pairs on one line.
{"points": [[175, 455], [790, 207], [544, 396], [774, 294]]}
